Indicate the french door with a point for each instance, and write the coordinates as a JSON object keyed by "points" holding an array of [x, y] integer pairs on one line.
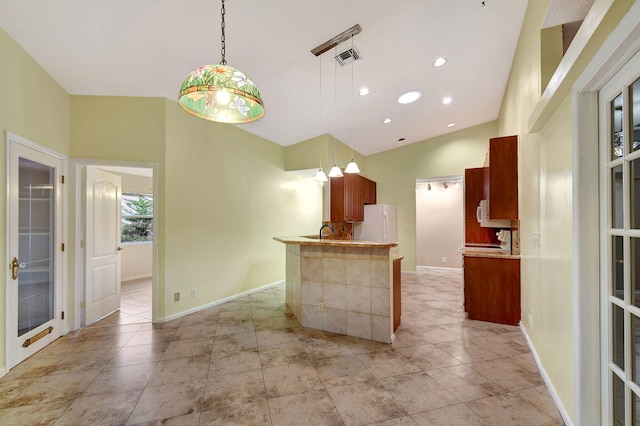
{"points": [[34, 251], [619, 109]]}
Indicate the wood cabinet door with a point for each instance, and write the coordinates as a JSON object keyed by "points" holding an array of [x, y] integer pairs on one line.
{"points": [[397, 293], [369, 191], [492, 289], [473, 193], [502, 187], [354, 197], [337, 199]]}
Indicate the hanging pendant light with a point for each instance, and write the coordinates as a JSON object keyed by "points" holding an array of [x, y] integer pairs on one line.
{"points": [[352, 167], [221, 93], [320, 176], [335, 171]]}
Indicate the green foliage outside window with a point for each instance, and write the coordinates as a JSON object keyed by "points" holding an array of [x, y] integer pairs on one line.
{"points": [[137, 218]]}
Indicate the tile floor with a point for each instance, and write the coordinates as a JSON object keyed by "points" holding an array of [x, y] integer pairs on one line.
{"points": [[249, 362]]}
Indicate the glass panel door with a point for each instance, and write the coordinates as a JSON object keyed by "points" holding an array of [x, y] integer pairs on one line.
{"points": [[620, 234], [36, 297]]}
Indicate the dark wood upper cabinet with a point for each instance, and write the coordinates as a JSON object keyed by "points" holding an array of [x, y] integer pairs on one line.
{"points": [[473, 193], [501, 178], [348, 195]]}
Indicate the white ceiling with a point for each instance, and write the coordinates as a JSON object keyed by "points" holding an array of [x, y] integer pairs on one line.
{"points": [[147, 48]]}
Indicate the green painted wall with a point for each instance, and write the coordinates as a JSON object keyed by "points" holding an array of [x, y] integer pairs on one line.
{"points": [[34, 106], [396, 171]]}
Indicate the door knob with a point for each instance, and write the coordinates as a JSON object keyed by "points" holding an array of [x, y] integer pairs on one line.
{"points": [[120, 248]]}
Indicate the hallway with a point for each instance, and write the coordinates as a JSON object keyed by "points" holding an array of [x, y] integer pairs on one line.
{"points": [[249, 362]]}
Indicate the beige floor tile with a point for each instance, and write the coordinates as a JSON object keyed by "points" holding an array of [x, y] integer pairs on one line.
{"points": [[364, 403], [387, 363], [121, 378], [234, 389], [400, 421], [313, 408], [38, 414], [276, 337], [341, 371], [465, 383], [196, 331], [452, 415], [418, 392], [539, 398], [319, 349], [357, 345], [137, 354], [161, 402], [188, 348], [234, 327], [185, 420], [427, 357], [180, 370], [251, 414], [275, 356], [159, 338], [291, 379], [234, 362], [109, 409], [507, 410], [507, 374], [36, 366], [52, 388], [235, 342]]}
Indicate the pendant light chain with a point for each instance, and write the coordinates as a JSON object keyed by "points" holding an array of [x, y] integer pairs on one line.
{"points": [[222, 37], [352, 102]]}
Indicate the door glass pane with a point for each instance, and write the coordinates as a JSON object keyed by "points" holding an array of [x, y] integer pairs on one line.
{"points": [[635, 101], [635, 329], [635, 270], [617, 139], [635, 194], [617, 267], [617, 213], [636, 410], [35, 231], [618, 400], [618, 335]]}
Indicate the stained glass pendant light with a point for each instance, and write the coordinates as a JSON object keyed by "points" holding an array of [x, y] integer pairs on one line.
{"points": [[221, 93]]}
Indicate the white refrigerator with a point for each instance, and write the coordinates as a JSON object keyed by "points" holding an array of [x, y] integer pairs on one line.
{"points": [[379, 224]]}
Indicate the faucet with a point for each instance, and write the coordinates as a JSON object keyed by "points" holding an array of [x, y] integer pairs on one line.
{"points": [[326, 225]]}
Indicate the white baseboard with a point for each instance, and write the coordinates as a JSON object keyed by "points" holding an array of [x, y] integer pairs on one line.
{"points": [[426, 268], [136, 277], [3, 372], [218, 302], [547, 380]]}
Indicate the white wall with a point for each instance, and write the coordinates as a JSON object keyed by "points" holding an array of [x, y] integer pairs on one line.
{"points": [[439, 224], [137, 262]]}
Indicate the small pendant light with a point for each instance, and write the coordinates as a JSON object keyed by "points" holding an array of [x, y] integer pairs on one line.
{"points": [[221, 93]]}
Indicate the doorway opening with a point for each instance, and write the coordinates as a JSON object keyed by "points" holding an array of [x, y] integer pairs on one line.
{"points": [[136, 246], [439, 222]]}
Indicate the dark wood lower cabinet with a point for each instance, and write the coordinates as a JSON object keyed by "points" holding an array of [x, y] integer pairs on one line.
{"points": [[492, 289], [397, 293]]}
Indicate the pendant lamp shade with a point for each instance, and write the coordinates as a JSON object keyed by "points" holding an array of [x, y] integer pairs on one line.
{"points": [[221, 93], [320, 176], [335, 171], [352, 167]]}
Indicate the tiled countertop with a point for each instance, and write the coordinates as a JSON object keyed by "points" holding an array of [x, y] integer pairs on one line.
{"points": [[502, 254], [309, 241]]}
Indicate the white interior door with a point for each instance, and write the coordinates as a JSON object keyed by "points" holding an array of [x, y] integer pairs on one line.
{"points": [[103, 191], [34, 249]]}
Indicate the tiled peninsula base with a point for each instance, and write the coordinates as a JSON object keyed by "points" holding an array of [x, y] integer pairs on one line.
{"points": [[344, 289]]}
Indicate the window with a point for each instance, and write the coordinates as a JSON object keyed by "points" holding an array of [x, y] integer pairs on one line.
{"points": [[137, 218]]}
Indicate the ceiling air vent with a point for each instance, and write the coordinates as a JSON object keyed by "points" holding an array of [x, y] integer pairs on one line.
{"points": [[348, 56]]}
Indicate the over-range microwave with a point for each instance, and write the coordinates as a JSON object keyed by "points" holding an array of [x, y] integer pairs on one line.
{"points": [[482, 215]]}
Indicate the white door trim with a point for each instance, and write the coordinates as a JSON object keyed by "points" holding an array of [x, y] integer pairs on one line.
{"points": [[76, 252], [619, 47]]}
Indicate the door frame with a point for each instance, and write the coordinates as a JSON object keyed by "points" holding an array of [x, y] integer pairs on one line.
{"points": [[76, 231], [61, 235], [620, 46]]}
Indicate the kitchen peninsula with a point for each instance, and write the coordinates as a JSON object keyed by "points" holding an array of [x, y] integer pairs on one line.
{"points": [[342, 286]]}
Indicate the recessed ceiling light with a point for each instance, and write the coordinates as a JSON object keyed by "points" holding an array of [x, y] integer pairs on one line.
{"points": [[439, 62], [408, 97], [446, 100], [451, 124], [363, 91], [387, 121]]}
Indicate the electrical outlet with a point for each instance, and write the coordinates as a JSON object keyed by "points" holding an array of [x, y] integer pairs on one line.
{"points": [[444, 260], [320, 307], [193, 292], [176, 296], [530, 320]]}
